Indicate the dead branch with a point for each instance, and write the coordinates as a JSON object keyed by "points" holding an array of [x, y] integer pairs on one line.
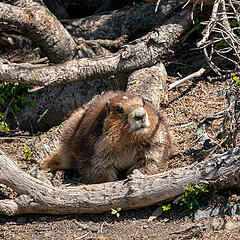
{"points": [[204, 2], [221, 38], [42, 27], [143, 52], [132, 22], [138, 190], [189, 77]]}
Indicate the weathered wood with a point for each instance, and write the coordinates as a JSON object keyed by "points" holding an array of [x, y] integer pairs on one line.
{"points": [[42, 27], [137, 191], [143, 52], [204, 2], [150, 83], [133, 22], [55, 104]]}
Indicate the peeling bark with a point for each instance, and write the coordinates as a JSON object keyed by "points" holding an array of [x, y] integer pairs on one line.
{"points": [[221, 171]]}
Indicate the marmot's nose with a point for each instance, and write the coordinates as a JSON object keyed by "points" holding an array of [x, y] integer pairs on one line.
{"points": [[139, 117], [140, 114]]}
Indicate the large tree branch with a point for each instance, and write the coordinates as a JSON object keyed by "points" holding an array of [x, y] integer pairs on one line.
{"points": [[140, 53], [138, 190], [43, 28], [133, 22]]}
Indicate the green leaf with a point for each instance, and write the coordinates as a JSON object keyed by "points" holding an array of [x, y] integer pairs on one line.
{"points": [[200, 131], [233, 23], [114, 211], [236, 79], [119, 208], [166, 207], [195, 201], [222, 43]]}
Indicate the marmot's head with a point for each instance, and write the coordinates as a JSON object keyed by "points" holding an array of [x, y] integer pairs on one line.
{"points": [[132, 114]]}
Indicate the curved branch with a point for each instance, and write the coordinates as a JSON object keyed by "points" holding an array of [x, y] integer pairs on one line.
{"points": [[43, 28], [137, 191], [142, 52]]}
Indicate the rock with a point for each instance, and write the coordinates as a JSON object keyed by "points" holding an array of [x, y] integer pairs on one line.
{"points": [[94, 228], [205, 211]]}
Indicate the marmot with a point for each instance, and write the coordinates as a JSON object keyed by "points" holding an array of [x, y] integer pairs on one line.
{"points": [[111, 136]]}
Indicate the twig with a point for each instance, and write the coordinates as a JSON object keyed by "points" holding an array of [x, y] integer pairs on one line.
{"points": [[189, 77], [210, 25], [7, 109], [184, 125], [16, 138], [104, 42], [83, 236], [37, 61], [157, 5]]}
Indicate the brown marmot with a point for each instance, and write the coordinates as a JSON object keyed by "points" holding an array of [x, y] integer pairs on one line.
{"points": [[111, 136]]}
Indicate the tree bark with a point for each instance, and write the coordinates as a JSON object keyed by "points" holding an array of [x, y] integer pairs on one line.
{"points": [[221, 171], [150, 83], [42, 27], [134, 22], [55, 104], [143, 52]]}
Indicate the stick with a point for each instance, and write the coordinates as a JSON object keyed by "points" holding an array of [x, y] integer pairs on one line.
{"points": [[189, 77]]}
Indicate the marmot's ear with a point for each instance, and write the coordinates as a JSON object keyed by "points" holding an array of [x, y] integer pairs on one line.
{"points": [[108, 107], [144, 101]]}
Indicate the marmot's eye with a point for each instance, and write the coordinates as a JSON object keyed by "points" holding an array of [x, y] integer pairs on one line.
{"points": [[119, 109]]}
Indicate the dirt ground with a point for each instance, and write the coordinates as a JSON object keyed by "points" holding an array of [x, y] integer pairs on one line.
{"points": [[190, 104]]}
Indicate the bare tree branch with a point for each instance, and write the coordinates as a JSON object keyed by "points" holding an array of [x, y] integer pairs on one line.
{"points": [[199, 73], [140, 53], [131, 22], [43, 28], [137, 191]]}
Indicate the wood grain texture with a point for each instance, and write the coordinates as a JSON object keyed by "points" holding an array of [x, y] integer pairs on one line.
{"points": [[220, 171]]}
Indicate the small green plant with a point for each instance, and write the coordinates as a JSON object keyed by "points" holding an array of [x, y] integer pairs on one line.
{"points": [[116, 211], [3, 125], [199, 27], [166, 207], [237, 80], [138, 4], [199, 130], [15, 93], [26, 152], [234, 24], [181, 68], [192, 195]]}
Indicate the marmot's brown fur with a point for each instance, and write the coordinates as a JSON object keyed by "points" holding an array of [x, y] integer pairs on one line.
{"points": [[113, 135]]}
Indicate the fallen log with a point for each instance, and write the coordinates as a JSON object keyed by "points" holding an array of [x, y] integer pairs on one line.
{"points": [[142, 52], [132, 22], [138, 190]]}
